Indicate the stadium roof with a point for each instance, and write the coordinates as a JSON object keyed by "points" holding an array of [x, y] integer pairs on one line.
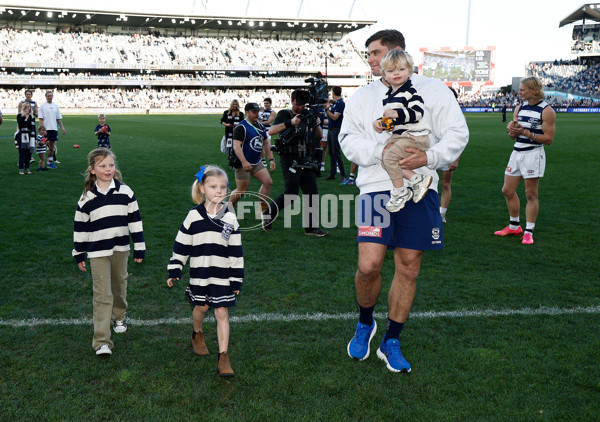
{"points": [[238, 15], [589, 11]]}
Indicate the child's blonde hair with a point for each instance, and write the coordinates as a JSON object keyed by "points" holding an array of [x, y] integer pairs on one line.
{"points": [[41, 127], [396, 57], [93, 157], [209, 170], [101, 115]]}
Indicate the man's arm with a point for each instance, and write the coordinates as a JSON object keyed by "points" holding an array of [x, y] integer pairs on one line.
{"points": [[332, 116], [449, 129], [283, 122], [548, 127], [60, 123], [41, 116], [237, 148], [359, 142]]}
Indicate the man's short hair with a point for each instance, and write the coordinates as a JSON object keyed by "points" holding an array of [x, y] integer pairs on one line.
{"points": [[268, 100], [337, 91], [391, 38], [295, 94]]}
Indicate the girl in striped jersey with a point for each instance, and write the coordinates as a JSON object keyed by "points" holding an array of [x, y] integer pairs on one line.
{"points": [[210, 237], [106, 215], [403, 112]]}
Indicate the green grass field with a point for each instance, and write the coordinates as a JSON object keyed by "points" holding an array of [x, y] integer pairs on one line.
{"points": [[499, 331]]}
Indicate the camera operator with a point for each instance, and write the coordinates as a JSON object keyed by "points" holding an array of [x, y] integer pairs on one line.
{"points": [[295, 145]]}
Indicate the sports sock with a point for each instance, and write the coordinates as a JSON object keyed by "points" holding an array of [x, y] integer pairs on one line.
{"points": [[398, 191], [352, 176], [393, 329], [514, 223], [366, 315], [529, 227], [443, 210]]}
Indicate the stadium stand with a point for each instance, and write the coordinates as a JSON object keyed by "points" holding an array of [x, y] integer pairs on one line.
{"points": [[99, 65]]}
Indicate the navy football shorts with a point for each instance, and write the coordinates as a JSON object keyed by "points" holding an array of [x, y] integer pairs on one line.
{"points": [[416, 226]]}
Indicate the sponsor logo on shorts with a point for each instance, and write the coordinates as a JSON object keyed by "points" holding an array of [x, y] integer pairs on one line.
{"points": [[370, 231], [435, 233], [508, 169], [530, 171]]}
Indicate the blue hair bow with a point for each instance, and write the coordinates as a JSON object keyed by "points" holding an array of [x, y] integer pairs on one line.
{"points": [[200, 174]]}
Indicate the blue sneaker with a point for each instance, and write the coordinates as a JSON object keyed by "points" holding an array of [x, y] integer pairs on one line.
{"points": [[360, 345], [51, 165], [347, 182], [390, 353]]}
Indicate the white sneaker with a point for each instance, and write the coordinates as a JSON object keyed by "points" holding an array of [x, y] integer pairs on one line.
{"points": [[420, 184], [104, 350], [397, 201], [119, 326]]}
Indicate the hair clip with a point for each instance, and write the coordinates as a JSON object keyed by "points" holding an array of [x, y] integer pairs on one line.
{"points": [[200, 174]]}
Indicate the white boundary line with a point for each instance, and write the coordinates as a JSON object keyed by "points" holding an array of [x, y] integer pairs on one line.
{"points": [[278, 317]]}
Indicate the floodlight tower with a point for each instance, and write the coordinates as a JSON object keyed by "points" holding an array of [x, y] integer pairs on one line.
{"points": [[468, 22]]}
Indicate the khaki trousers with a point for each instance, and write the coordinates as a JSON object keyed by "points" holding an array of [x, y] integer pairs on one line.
{"points": [[397, 153], [109, 276]]}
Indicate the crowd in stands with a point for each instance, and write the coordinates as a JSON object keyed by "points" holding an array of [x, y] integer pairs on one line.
{"points": [[148, 98], [166, 98], [568, 76], [78, 48], [498, 100], [180, 78]]}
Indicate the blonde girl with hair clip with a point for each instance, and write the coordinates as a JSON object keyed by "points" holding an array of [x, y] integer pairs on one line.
{"points": [[210, 237], [107, 216]]}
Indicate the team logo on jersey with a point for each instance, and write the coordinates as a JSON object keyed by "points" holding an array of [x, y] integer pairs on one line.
{"points": [[227, 229], [370, 231], [435, 233], [256, 143], [535, 122]]}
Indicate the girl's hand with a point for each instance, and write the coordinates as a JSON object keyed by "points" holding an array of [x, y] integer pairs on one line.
{"points": [[170, 281], [81, 266], [138, 260], [237, 292]]}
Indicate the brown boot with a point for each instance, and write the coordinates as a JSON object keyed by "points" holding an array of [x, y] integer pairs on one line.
{"points": [[198, 344], [223, 366]]}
